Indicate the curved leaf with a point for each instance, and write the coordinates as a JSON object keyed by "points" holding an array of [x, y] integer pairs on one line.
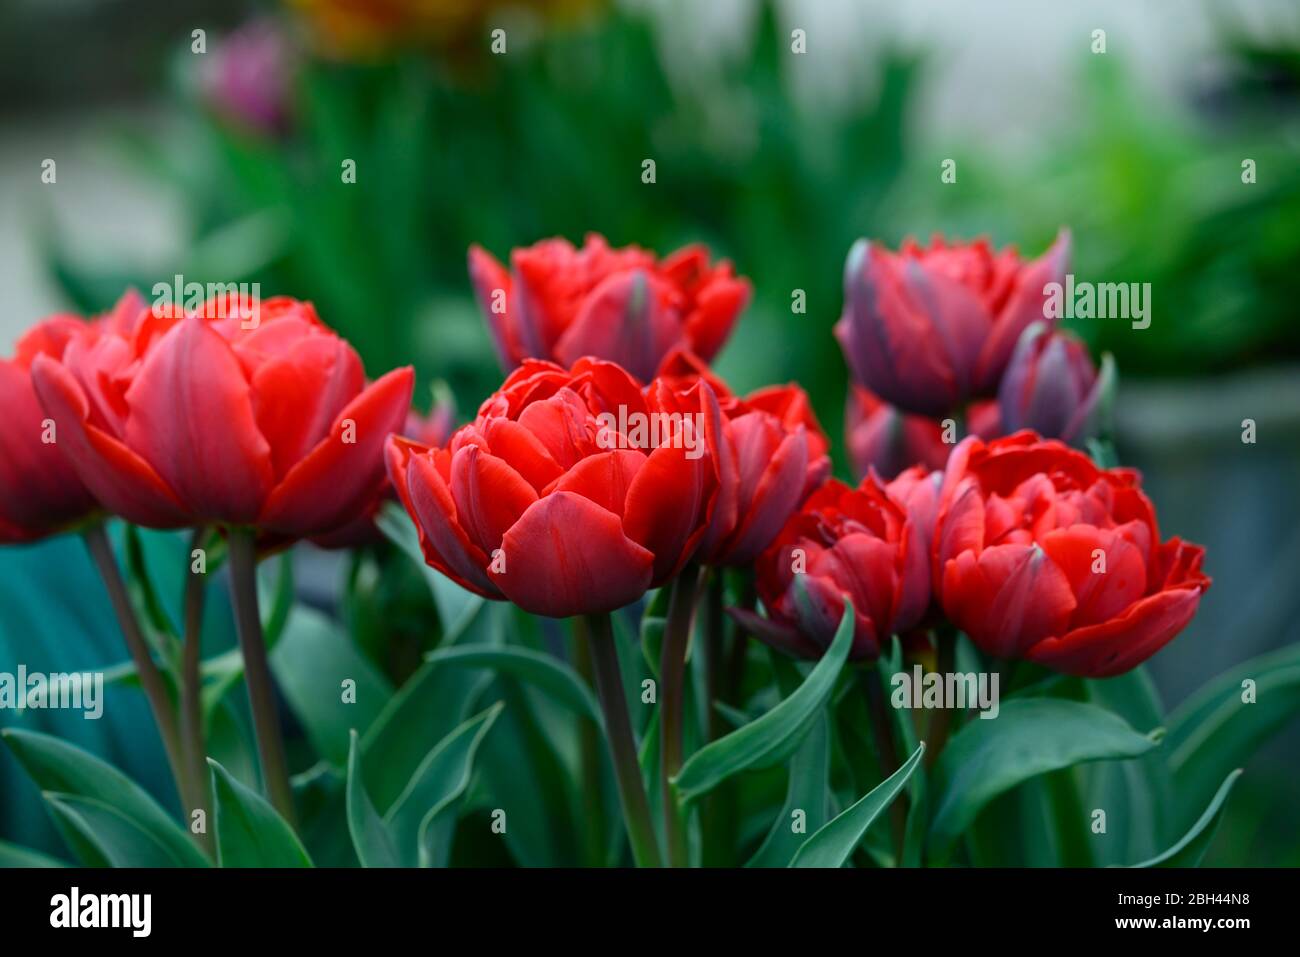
{"points": [[1189, 851], [541, 670], [833, 844], [1030, 736], [807, 791], [64, 769], [249, 831], [1215, 731], [11, 855], [768, 739], [439, 781], [116, 839], [370, 838]]}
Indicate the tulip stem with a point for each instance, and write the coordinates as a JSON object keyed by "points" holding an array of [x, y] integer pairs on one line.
{"points": [[672, 676], [151, 678], [882, 728], [192, 689], [622, 745], [946, 639], [257, 672]]}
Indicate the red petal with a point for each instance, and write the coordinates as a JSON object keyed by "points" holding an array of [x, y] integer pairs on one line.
{"points": [[568, 556], [332, 482], [490, 496], [1007, 599], [603, 478], [446, 546], [1115, 646], [664, 507], [524, 451], [119, 479], [1101, 595], [191, 417]]}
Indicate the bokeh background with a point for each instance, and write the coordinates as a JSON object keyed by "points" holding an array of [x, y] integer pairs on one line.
{"points": [[225, 166]]}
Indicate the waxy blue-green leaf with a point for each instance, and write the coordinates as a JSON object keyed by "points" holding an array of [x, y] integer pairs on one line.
{"points": [[1189, 851], [807, 791], [370, 837], [11, 855], [833, 844], [770, 738], [1030, 736], [117, 841], [1215, 730], [64, 769], [440, 780], [542, 671], [250, 833], [312, 661]]}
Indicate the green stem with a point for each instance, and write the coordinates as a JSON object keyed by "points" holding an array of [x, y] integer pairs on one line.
{"points": [[672, 678], [883, 731], [589, 752], [718, 811], [942, 721], [257, 672], [151, 678], [622, 745], [192, 690]]}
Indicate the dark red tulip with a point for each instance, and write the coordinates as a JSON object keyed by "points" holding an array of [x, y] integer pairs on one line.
{"points": [[560, 496], [861, 544], [1052, 387], [259, 416], [881, 437], [929, 329], [1040, 554], [623, 305]]}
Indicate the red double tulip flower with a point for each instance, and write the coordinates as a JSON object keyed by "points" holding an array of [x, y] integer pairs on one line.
{"points": [[772, 456], [928, 329], [881, 437], [1040, 554], [572, 492], [40, 493], [624, 305], [174, 419], [1051, 387], [857, 543]]}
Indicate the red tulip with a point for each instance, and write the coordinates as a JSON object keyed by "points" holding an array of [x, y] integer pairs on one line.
{"points": [[861, 544], [1052, 387], [560, 496], [928, 329], [773, 456], [40, 493], [1040, 554], [174, 419], [624, 305], [881, 437]]}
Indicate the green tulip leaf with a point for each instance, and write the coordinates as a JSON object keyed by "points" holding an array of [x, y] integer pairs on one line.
{"points": [[311, 663], [370, 837], [249, 831], [539, 669], [113, 838], [1030, 736], [1215, 730], [808, 791], [437, 783], [833, 844], [1189, 851], [768, 739], [64, 769], [11, 855]]}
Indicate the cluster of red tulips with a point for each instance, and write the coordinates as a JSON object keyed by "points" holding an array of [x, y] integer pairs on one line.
{"points": [[270, 432]]}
